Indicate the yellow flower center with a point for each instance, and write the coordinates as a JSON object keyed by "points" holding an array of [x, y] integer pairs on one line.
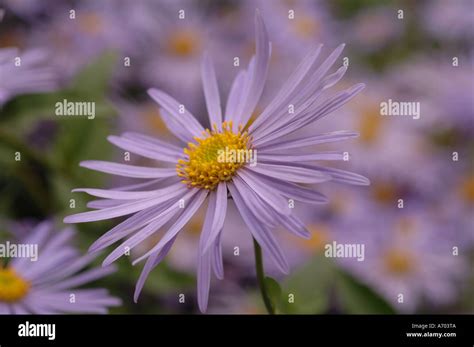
{"points": [[466, 189], [12, 286], [370, 125], [398, 262], [306, 27], [319, 238], [384, 192], [183, 43], [406, 226], [91, 23], [153, 120], [215, 158]]}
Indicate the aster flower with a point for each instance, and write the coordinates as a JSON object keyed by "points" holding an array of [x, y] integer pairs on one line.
{"points": [[449, 21], [260, 192], [31, 76], [50, 284], [310, 22], [176, 46], [30, 10], [413, 257]]}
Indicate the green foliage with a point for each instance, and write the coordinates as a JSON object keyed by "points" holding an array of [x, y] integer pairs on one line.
{"points": [[320, 286], [347, 9], [309, 286], [274, 291], [42, 180], [357, 298]]}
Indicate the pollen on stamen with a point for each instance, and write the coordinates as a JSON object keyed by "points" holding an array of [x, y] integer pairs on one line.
{"points": [[12, 286], [203, 166]]}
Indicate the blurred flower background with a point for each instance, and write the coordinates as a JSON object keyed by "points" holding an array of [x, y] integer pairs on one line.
{"points": [[416, 220]]}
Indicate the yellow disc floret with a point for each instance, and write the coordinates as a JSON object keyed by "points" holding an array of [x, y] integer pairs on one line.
{"points": [[183, 43], [398, 262], [12, 286], [215, 157]]}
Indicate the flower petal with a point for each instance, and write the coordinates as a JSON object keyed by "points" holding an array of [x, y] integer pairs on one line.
{"points": [[143, 150], [305, 95], [342, 176], [83, 278], [184, 117], [218, 201], [263, 236], [204, 257], [264, 191], [119, 194], [278, 145], [293, 225], [154, 225], [150, 264], [148, 140], [122, 210], [211, 92], [194, 204], [236, 90], [288, 88], [261, 210], [128, 226], [257, 76], [289, 158], [312, 114], [294, 191], [175, 127], [217, 262], [290, 173], [99, 204]]}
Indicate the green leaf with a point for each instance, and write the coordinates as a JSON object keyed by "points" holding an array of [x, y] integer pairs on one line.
{"points": [[306, 291], [90, 84], [76, 138], [357, 298], [274, 291], [94, 78]]}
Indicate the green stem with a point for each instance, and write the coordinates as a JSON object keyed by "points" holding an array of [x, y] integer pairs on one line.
{"points": [[261, 277]]}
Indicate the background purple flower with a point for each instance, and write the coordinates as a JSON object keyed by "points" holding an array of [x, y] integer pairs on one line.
{"points": [[24, 73], [51, 284]]}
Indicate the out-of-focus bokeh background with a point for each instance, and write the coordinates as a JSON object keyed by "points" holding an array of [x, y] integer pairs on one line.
{"points": [[416, 218]]}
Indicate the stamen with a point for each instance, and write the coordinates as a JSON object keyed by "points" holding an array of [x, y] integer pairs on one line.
{"points": [[12, 286], [205, 166]]}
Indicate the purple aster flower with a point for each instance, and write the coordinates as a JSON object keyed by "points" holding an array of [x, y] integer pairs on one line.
{"points": [[31, 10], [28, 74], [261, 192], [49, 284], [449, 21], [411, 261]]}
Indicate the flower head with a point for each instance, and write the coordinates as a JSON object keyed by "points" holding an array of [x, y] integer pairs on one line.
{"points": [[26, 73], [49, 284], [411, 262], [203, 166], [260, 190]]}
